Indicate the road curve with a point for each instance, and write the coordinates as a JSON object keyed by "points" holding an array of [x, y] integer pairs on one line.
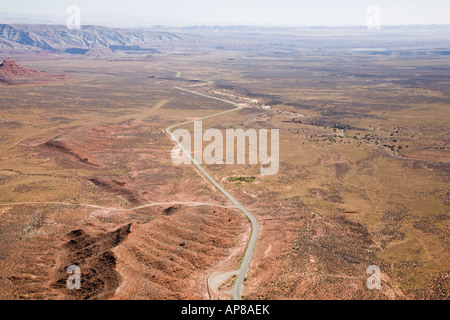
{"points": [[239, 284]]}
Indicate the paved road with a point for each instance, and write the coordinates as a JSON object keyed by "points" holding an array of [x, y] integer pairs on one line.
{"points": [[238, 287], [239, 284]]}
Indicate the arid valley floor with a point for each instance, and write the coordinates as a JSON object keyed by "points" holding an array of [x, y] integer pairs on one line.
{"points": [[363, 178]]}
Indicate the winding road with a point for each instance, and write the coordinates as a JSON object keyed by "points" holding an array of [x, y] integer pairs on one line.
{"points": [[239, 284], [241, 275]]}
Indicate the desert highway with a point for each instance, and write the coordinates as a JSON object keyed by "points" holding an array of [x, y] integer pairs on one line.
{"points": [[238, 286]]}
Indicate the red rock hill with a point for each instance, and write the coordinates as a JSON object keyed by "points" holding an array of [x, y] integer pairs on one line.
{"points": [[13, 73]]}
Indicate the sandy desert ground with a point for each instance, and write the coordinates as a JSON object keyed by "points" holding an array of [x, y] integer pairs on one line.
{"points": [[363, 179]]}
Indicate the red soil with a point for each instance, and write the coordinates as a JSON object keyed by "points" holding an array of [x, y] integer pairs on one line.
{"points": [[13, 73]]}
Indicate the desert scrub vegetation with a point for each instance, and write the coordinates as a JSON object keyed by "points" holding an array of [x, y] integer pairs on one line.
{"points": [[242, 179]]}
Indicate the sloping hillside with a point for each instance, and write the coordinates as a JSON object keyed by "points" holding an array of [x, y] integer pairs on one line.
{"points": [[13, 73], [60, 38]]}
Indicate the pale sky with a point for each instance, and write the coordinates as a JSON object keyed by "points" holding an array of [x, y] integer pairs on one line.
{"points": [[248, 12]]}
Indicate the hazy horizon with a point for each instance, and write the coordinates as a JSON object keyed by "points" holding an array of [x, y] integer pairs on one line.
{"points": [[233, 12]]}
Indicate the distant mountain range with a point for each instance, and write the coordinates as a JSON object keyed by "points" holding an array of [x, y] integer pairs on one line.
{"points": [[275, 41], [60, 38]]}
